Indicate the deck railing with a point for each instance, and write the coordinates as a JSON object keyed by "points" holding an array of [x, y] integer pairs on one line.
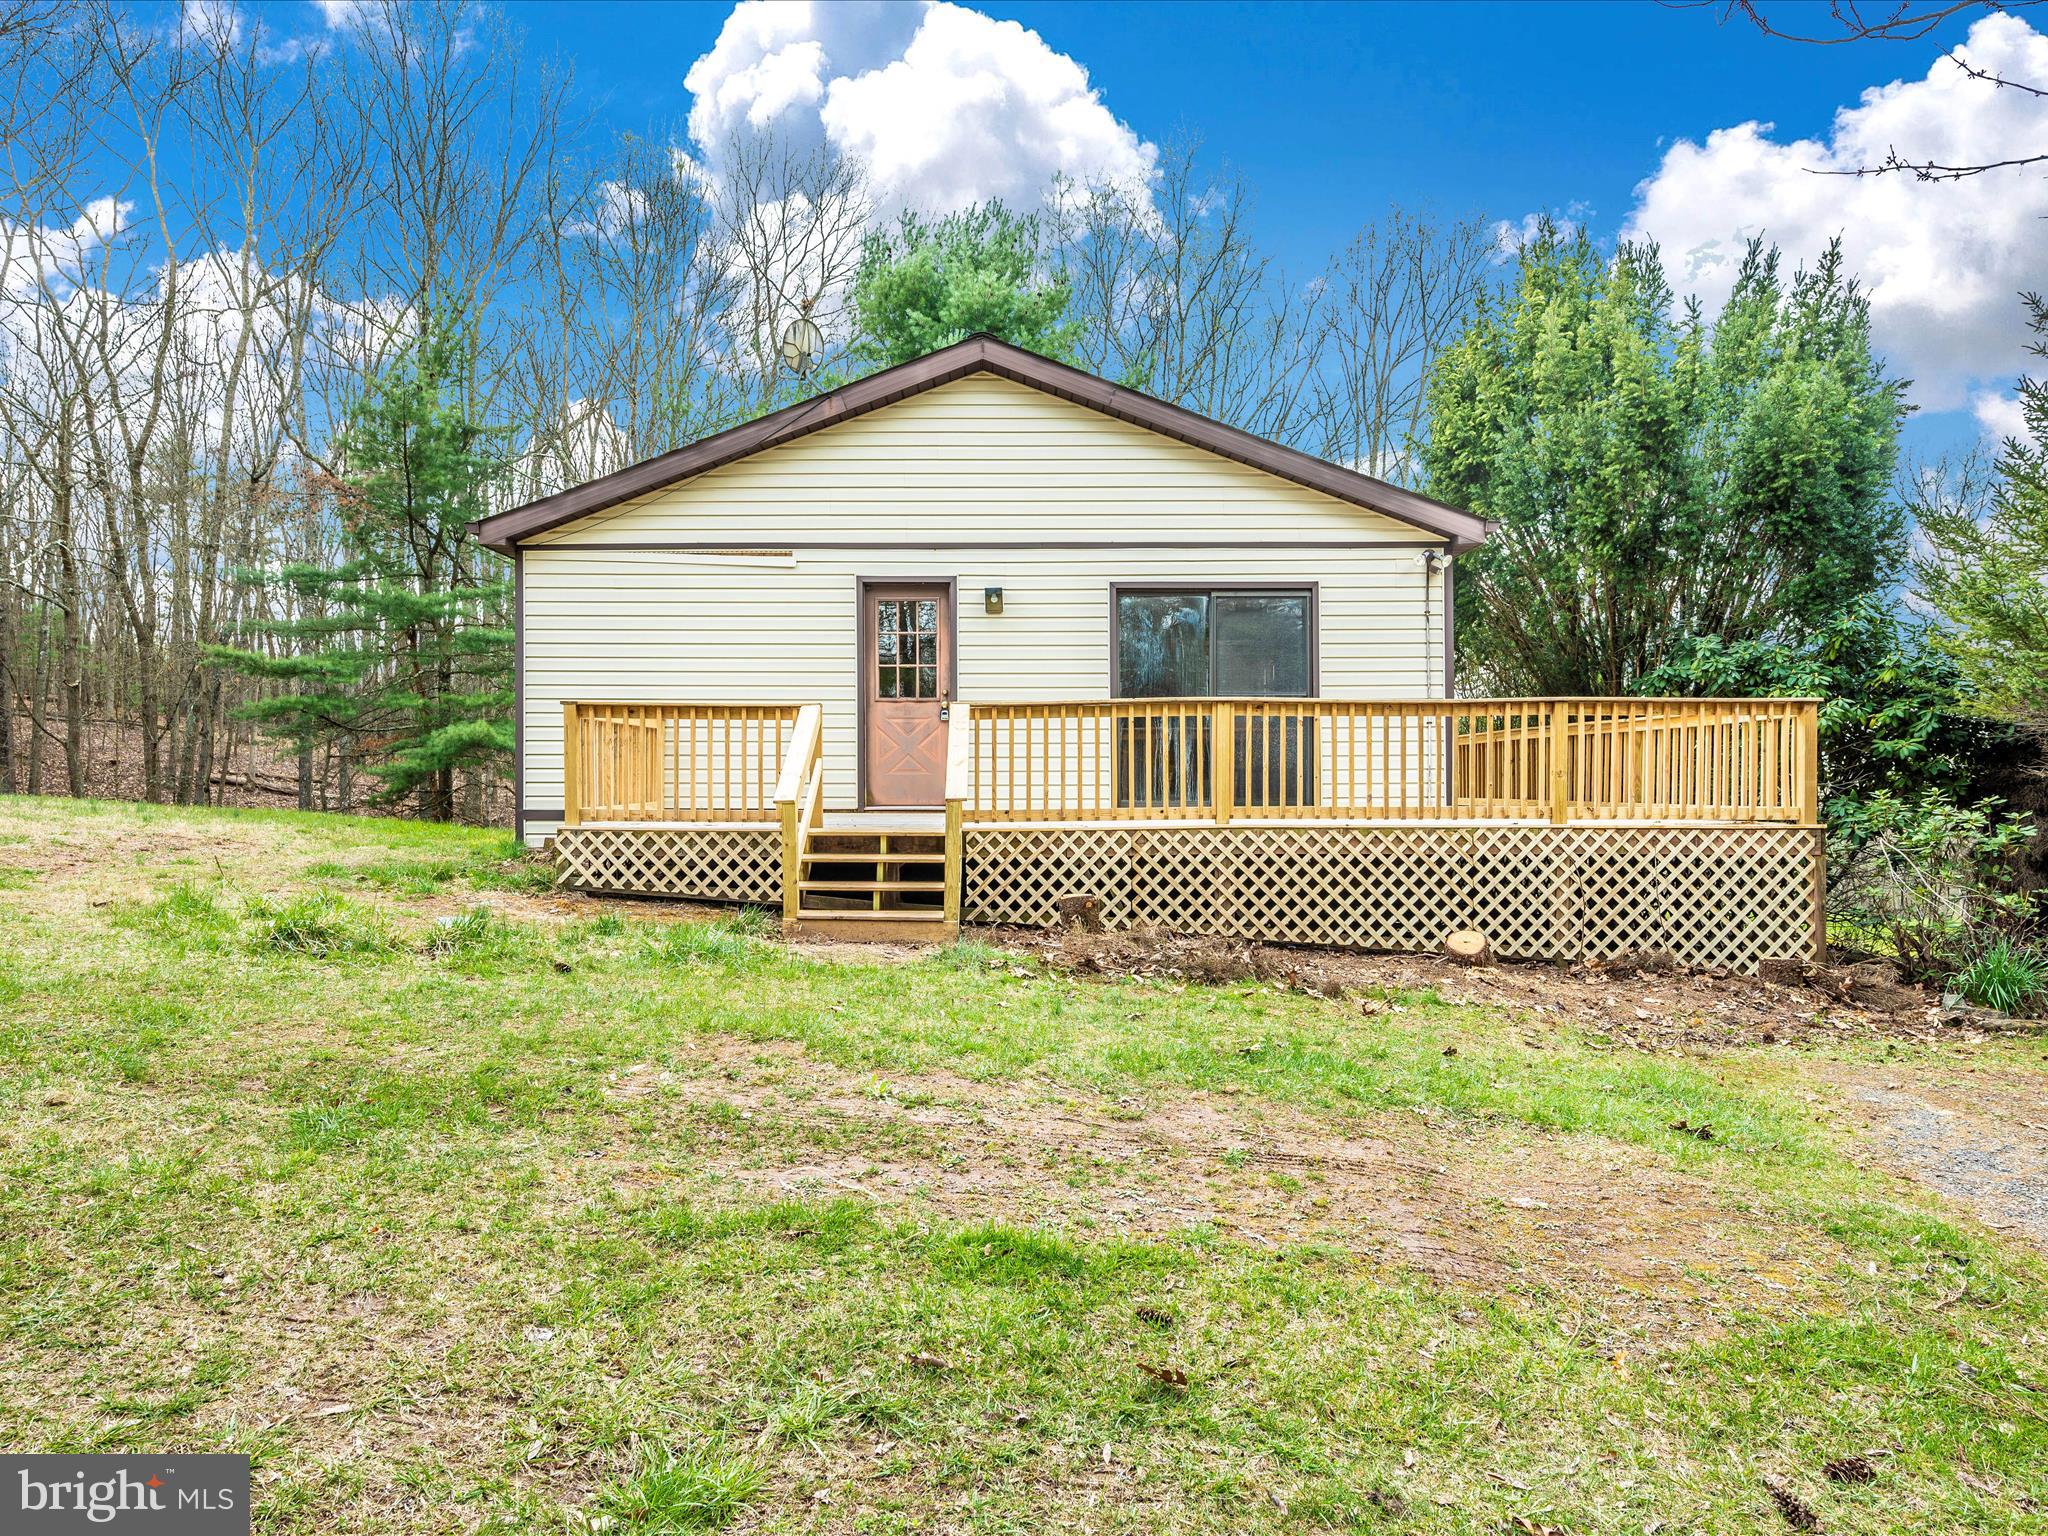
{"points": [[800, 799], [673, 762], [1557, 760]]}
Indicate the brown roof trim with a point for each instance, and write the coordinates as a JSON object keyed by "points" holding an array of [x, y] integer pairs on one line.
{"points": [[980, 354]]}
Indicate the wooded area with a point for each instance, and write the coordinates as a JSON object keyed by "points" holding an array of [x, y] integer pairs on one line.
{"points": [[218, 255]]}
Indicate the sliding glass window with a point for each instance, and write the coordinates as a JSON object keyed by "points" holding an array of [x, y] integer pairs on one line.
{"points": [[1221, 642]]}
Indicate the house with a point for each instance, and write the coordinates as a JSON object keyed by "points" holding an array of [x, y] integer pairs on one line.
{"points": [[983, 630]]}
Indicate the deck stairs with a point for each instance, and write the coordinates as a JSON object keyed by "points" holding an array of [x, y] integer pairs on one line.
{"points": [[872, 883]]}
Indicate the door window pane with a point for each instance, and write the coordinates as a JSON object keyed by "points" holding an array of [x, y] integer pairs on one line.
{"points": [[1162, 644], [906, 648], [1260, 643]]}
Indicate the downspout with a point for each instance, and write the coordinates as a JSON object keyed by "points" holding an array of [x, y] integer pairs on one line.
{"points": [[1434, 563]]}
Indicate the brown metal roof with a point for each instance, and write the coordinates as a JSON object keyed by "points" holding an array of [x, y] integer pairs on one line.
{"points": [[980, 354]]}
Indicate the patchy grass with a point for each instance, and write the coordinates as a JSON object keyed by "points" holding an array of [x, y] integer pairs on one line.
{"points": [[462, 1207]]}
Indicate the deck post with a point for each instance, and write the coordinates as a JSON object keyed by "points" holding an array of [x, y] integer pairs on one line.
{"points": [[572, 766], [1223, 759], [1558, 729], [959, 760], [792, 864], [1809, 764]]}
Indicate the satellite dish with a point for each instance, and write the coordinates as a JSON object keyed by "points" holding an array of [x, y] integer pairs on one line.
{"points": [[802, 341]]}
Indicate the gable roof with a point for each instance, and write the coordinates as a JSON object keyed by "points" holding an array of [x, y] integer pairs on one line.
{"points": [[979, 354]]}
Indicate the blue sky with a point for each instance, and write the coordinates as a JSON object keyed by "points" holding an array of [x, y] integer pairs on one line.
{"points": [[1335, 110], [1629, 116]]}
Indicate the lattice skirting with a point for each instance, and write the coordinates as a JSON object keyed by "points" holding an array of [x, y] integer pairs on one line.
{"points": [[1713, 895], [704, 864]]}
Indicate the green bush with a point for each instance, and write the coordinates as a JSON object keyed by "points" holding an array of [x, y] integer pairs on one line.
{"points": [[1927, 879], [2005, 975]]}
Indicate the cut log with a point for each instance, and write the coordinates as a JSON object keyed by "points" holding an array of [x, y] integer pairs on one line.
{"points": [[1082, 912], [1468, 947]]}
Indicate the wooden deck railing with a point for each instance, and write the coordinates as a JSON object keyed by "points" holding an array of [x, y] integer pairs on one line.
{"points": [[1556, 760], [673, 762], [959, 778], [800, 800]]}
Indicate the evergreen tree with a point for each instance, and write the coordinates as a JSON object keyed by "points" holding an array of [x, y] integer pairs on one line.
{"points": [[1659, 478], [924, 285], [402, 652], [1988, 577]]}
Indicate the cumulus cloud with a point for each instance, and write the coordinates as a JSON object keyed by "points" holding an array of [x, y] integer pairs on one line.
{"points": [[31, 255], [1998, 412], [943, 105], [1943, 262]]}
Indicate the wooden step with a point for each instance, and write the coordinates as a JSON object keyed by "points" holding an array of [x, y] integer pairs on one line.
{"points": [[846, 857], [857, 926], [869, 842], [863, 886]]}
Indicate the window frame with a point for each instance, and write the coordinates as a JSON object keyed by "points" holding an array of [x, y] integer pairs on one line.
{"points": [[1312, 590]]}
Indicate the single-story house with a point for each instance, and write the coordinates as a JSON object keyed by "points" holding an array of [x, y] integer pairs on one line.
{"points": [[983, 630]]}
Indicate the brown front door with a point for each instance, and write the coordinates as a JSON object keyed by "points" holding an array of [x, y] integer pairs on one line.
{"points": [[906, 681]]}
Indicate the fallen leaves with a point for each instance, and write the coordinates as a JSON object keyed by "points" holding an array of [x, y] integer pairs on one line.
{"points": [[1701, 1132], [1171, 1377]]}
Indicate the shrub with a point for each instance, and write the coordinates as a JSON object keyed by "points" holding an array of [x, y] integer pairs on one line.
{"points": [[1927, 878], [2005, 975]]}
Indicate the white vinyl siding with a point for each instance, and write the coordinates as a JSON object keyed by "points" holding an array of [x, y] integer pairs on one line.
{"points": [[982, 459], [778, 623]]}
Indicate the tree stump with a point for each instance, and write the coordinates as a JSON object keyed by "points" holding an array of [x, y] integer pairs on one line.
{"points": [[1467, 947], [1082, 912]]}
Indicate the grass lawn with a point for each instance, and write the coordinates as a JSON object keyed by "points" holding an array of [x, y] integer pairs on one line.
{"points": [[460, 1206]]}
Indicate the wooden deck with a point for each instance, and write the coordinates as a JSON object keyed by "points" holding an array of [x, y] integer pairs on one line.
{"points": [[1565, 828]]}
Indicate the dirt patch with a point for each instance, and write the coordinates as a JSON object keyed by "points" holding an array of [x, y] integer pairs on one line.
{"points": [[1651, 1250], [1645, 1002], [1983, 1143]]}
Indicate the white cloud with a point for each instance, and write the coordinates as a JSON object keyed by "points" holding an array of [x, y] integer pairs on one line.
{"points": [[342, 15], [1943, 263], [619, 208], [943, 105], [215, 24], [33, 255], [1998, 413]]}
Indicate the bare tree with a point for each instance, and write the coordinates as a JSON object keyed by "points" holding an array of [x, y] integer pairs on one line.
{"points": [[1400, 292], [1897, 21], [790, 226], [1175, 298]]}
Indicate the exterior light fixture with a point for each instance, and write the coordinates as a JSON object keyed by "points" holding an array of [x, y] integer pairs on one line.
{"points": [[991, 599]]}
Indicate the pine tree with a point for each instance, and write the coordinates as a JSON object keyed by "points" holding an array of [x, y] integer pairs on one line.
{"points": [[402, 653], [1988, 577]]}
